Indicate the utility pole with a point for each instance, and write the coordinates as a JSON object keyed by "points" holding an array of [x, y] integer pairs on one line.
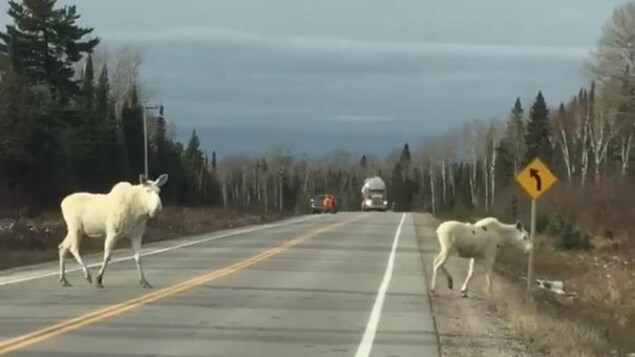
{"points": [[145, 135]]}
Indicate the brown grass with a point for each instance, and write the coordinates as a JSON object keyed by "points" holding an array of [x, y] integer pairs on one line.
{"points": [[35, 240], [542, 331], [603, 286]]}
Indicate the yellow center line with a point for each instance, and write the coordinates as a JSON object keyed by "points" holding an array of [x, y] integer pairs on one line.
{"points": [[29, 339]]}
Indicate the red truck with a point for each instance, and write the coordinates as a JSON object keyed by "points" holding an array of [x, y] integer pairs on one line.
{"points": [[324, 203]]}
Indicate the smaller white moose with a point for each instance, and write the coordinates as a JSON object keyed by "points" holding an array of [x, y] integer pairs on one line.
{"points": [[123, 212], [481, 241]]}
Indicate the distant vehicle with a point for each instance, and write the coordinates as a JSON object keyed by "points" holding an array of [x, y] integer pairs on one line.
{"points": [[374, 195], [324, 203]]}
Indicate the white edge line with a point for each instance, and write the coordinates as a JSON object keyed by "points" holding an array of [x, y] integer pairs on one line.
{"points": [[163, 250], [365, 346]]}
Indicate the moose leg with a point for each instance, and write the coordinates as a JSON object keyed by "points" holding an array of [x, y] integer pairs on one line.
{"points": [[438, 263], [470, 271], [433, 280], [448, 277], [136, 247], [489, 265], [62, 249], [109, 244], [75, 251]]}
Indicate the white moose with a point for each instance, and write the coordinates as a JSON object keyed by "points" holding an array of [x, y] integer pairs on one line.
{"points": [[481, 241], [122, 212]]}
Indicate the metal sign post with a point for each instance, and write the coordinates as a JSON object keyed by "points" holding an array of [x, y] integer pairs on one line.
{"points": [[535, 179]]}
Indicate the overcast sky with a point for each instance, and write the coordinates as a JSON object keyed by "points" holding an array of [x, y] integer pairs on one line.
{"points": [[314, 74]]}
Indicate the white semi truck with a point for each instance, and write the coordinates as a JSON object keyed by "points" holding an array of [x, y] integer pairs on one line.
{"points": [[374, 194]]}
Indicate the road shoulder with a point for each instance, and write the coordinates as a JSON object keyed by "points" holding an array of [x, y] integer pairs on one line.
{"points": [[406, 326]]}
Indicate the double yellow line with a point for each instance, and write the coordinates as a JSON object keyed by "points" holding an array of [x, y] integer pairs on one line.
{"points": [[29, 339]]}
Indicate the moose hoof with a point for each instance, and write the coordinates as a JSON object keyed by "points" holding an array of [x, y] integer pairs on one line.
{"points": [[464, 293], [89, 279], [98, 282], [146, 285], [450, 284], [65, 283]]}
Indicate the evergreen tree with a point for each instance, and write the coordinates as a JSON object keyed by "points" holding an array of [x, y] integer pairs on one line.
{"points": [[43, 44], [194, 163], [102, 97], [405, 158], [214, 162], [515, 135], [193, 154], [537, 136], [511, 149], [132, 134], [112, 140]]}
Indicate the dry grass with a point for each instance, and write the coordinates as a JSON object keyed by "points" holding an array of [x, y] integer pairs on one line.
{"points": [[603, 286], [542, 331], [35, 240]]}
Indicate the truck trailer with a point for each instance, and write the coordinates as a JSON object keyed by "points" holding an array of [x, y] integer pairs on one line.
{"points": [[374, 195]]}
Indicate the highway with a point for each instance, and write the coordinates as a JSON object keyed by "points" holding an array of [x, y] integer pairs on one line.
{"points": [[346, 284]]}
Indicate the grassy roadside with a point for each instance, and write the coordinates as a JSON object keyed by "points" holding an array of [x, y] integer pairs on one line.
{"points": [[35, 240], [600, 316], [598, 320]]}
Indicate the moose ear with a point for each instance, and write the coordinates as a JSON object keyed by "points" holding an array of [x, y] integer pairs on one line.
{"points": [[161, 180], [519, 225], [143, 179]]}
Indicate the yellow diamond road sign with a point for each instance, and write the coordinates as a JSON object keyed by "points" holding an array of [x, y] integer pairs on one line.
{"points": [[536, 178]]}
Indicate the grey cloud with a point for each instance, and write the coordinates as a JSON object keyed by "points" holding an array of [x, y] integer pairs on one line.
{"points": [[315, 45], [365, 75]]}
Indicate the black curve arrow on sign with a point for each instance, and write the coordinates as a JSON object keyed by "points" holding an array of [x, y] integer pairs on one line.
{"points": [[533, 173]]}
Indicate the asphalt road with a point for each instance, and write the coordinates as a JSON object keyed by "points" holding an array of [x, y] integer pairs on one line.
{"points": [[349, 284]]}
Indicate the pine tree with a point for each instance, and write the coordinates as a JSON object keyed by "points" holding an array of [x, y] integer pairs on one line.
{"points": [[515, 135], [510, 153], [132, 133], [102, 98], [113, 144], [405, 158], [537, 136], [363, 162], [43, 44], [193, 154], [194, 162]]}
